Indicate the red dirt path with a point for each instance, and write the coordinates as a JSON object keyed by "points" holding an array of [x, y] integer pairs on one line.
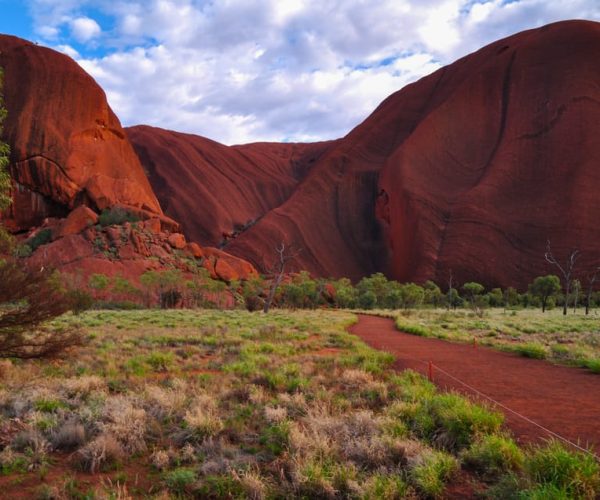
{"points": [[563, 399]]}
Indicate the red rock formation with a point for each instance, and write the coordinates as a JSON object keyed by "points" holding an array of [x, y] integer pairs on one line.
{"points": [[504, 156], [67, 146], [78, 220], [219, 191], [470, 169]]}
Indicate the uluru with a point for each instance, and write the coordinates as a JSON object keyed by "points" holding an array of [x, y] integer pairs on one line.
{"points": [[457, 173], [469, 171]]}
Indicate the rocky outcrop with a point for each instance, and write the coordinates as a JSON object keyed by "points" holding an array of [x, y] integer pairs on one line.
{"points": [[129, 250], [67, 146]]}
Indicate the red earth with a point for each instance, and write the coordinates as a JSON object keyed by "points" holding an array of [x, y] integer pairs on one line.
{"points": [[559, 398]]}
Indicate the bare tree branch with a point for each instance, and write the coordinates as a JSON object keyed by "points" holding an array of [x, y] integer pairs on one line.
{"points": [[566, 270]]}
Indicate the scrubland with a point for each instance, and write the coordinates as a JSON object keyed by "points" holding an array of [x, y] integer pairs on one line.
{"points": [[230, 404]]}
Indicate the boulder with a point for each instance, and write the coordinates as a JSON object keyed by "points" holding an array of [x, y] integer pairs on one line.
{"points": [[76, 222], [195, 250], [177, 241]]}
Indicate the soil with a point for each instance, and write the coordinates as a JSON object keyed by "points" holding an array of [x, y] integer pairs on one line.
{"points": [[563, 399]]}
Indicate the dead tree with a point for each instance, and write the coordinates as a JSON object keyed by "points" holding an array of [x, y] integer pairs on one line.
{"points": [[591, 280], [565, 269], [285, 253]]}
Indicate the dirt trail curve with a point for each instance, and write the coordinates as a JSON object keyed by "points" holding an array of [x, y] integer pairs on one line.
{"points": [[563, 399]]}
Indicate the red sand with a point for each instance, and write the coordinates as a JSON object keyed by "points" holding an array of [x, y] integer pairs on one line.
{"points": [[563, 399]]}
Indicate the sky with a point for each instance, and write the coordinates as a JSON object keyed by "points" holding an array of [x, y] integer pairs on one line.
{"points": [[240, 71]]}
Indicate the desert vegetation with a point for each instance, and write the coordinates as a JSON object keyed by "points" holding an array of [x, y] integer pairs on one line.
{"points": [[230, 404]]}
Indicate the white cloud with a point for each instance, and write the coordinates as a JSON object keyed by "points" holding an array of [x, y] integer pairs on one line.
{"points": [[68, 50], [243, 70], [84, 29]]}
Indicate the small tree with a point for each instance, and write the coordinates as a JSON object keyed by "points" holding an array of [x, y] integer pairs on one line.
{"points": [[545, 287], [253, 292], [566, 270], [345, 293], [433, 294], [591, 280], [367, 300], [473, 292], [576, 287], [29, 298], [284, 253], [412, 295]]}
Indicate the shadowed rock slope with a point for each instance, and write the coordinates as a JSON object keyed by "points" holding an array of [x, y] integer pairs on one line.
{"points": [[220, 191], [470, 170]]}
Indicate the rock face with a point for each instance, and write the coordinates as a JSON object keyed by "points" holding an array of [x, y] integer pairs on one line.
{"points": [[504, 156], [220, 191], [470, 170], [70, 159], [67, 146]]}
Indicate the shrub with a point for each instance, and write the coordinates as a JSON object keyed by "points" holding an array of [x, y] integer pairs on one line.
{"points": [[22, 251], [102, 453], [493, 455], [224, 486], [535, 351], [276, 437], [390, 487], [576, 473], [593, 364], [180, 480], [160, 361], [42, 237], [69, 436], [432, 472], [116, 216], [203, 421], [412, 329], [452, 421], [33, 296], [49, 405]]}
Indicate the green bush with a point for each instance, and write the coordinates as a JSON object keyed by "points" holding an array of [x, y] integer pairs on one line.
{"points": [[593, 364], [575, 473], [412, 329], [535, 351], [221, 487], [179, 480], [276, 437], [452, 421], [42, 237], [160, 361], [22, 251], [432, 473], [116, 216], [493, 455], [390, 487]]}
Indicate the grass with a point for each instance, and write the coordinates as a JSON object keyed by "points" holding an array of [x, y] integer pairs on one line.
{"points": [[572, 340], [229, 404]]}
